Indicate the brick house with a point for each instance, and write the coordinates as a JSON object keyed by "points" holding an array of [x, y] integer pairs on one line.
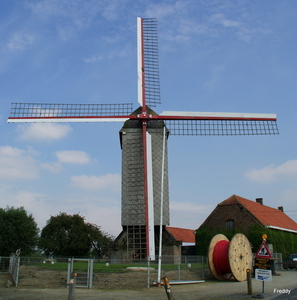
{"points": [[239, 213], [184, 239], [252, 218]]}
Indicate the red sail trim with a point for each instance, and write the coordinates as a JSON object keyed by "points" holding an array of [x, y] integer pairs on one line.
{"points": [[212, 118], [148, 117], [70, 117]]}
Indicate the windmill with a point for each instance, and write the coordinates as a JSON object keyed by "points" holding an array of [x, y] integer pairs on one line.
{"points": [[142, 136]]}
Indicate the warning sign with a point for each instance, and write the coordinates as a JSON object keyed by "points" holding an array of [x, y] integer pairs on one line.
{"points": [[263, 251], [262, 263]]}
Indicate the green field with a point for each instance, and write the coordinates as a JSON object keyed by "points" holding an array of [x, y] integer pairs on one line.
{"points": [[100, 267]]}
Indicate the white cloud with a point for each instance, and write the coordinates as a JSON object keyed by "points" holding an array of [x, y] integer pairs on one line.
{"points": [[189, 27], [273, 172], [109, 181], [92, 59], [111, 10], [66, 157], [20, 41], [42, 207], [43, 131], [76, 14], [214, 77], [188, 207], [221, 19], [39, 205], [67, 32], [73, 157], [17, 164], [188, 215], [159, 10], [29, 200], [53, 167], [108, 218]]}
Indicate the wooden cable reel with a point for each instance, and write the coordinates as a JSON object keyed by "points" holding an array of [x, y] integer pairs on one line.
{"points": [[230, 259]]}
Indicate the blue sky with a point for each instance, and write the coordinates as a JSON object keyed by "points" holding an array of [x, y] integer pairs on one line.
{"points": [[216, 56]]}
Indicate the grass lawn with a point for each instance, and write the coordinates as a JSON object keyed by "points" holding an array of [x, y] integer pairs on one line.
{"points": [[99, 267]]}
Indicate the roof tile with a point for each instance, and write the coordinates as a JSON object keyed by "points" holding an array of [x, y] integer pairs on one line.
{"points": [[182, 234], [266, 215]]}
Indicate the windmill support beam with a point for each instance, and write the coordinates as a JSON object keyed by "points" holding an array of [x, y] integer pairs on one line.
{"points": [[148, 197], [150, 231]]}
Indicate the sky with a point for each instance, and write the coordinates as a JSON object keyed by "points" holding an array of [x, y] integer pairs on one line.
{"points": [[214, 56]]}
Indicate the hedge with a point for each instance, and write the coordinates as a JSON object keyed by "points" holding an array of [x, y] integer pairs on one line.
{"points": [[282, 241]]}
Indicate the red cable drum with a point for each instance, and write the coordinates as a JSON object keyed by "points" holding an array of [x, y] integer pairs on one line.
{"points": [[220, 257], [230, 259]]}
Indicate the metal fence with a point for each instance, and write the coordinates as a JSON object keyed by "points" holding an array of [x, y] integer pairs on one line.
{"points": [[145, 273], [108, 273], [14, 264], [278, 257], [54, 272], [10, 265], [4, 264], [42, 272]]}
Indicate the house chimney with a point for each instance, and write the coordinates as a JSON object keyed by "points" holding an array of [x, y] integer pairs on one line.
{"points": [[259, 200], [281, 208]]}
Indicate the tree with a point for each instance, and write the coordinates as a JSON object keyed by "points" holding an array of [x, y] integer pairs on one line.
{"points": [[18, 230], [70, 236]]}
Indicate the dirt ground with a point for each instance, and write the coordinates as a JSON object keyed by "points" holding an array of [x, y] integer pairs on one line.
{"points": [[210, 289]]}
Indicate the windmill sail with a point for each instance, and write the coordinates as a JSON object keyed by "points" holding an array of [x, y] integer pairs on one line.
{"points": [[57, 112], [214, 123], [148, 62]]}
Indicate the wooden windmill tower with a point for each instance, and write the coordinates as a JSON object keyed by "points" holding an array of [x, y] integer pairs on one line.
{"points": [[143, 139]]}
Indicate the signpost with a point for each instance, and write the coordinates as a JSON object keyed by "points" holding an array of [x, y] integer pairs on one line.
{"points": [[262, 264], [264, 275]]}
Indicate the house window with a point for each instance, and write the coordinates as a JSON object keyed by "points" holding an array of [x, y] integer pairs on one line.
{"points": [[230, 225]]}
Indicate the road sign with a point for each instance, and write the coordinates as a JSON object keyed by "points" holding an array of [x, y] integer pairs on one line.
{"points": [[263, 275], [262, 263], [263, 251]]}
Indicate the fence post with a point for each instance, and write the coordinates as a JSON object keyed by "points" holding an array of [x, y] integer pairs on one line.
{"points": [[178, 267], [72, 282], [14, 266], [202, 263], [148, 271], [90, 272], [249, 282], [167, 288], [70, 269]]}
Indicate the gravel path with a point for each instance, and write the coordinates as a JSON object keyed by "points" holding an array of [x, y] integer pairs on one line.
{"points": [[211, 289]]}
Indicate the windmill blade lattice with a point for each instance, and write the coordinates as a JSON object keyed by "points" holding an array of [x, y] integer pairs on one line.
{"points": [[57, 110], [151, 62], [148, 63], [221, 127]]}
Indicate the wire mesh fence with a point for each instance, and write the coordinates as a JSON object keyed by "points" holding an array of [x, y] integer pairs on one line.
{"points": [[106, 273], [4, 264], [145, 273]]}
